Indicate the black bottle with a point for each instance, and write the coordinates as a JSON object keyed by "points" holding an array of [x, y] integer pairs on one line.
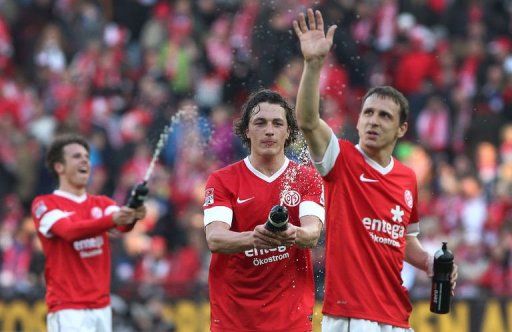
{"points": [[277, 219], [440, 297], [138, 195]]}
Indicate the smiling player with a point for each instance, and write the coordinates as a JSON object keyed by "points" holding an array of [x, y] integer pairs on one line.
{"points": [[72, 226], [259, 280]]}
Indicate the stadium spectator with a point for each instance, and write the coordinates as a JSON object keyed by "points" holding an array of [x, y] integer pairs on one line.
{"points": [[72, 227], [372, 219], [260, 280]]}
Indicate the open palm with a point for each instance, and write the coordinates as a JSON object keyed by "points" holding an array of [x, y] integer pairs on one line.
{"points": [[314, 43]]}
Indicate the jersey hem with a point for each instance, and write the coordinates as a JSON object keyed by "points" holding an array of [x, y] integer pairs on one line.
{"points": [[77, 306], [377, 319], [298, 329]]}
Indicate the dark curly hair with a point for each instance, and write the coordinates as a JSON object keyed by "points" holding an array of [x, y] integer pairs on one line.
{"points": [[250, 108], [55, 153]]}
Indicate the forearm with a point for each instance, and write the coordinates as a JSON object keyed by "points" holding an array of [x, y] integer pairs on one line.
{"points": [[316, 132], [416, 255], [228, 242], [309, 232], [308, 96], [77, 230]]}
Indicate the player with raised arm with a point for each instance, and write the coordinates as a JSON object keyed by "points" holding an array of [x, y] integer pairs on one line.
{"points": [[371, 198], [72, 226], [262, 280]]}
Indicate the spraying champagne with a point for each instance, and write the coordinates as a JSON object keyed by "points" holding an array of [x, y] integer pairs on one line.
{"points": [[277, 219], [140, 191]]}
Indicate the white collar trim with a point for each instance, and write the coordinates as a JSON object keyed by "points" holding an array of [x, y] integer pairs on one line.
{"points": [[375, 165], [70, 196], [262, 176]]}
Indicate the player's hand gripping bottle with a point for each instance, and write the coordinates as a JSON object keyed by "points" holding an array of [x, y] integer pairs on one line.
{"points": [[440, 297], [138, 195], [277, 219]]}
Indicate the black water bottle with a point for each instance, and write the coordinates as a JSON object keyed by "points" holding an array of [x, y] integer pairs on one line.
{"points": [[277, 219], [138, 195], [441, 295]]}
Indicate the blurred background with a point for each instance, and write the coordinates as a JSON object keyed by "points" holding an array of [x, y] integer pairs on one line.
{"points": [[117, 71]]}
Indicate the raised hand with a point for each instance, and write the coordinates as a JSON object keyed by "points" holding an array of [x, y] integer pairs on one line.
{"points": [[314, 43]]}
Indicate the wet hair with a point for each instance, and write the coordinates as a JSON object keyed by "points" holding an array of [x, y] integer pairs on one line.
{"points": [[393, 94], [55, 152], [251, 107]]}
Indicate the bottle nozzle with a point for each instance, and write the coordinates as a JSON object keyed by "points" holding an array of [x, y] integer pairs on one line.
{"points": [[277, 219]]}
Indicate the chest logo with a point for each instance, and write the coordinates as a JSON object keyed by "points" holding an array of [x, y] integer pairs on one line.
{"points": [[408, 198], [397, 214], [290, 197], [365, 179], [241, 201], [96, 212]]}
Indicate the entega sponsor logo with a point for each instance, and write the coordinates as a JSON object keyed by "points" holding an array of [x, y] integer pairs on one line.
{"points": [[85, 246], [90, 243], [382, 226], [384, 240], [281, 250]]}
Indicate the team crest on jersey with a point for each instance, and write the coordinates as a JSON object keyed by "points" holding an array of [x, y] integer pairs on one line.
{"points": [[96, 212], [290, 197], [408, 198], [39, 209], [208, 197]]}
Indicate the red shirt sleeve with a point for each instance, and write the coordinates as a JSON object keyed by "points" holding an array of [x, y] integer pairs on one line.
{"points": [[76, 230]]}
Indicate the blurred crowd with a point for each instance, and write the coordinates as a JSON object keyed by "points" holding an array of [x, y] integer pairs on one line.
{"points": [[118, 71]]}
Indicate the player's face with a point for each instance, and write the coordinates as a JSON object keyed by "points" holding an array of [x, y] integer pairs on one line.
{"points": [[75, 169], [379, 123], [268, 130]]}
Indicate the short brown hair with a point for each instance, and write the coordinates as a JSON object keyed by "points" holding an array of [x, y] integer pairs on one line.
{"points": [[271, 97], [55, 152], [393, 94]]}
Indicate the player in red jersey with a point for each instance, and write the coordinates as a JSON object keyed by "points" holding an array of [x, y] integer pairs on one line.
{"points": [[72, 227], [371, 199], [260, 280]]}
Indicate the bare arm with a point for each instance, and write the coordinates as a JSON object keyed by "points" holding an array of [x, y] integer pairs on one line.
{"points": [[309, 231], [315, 45], [416, 255], [222, 240], [419, 258]]}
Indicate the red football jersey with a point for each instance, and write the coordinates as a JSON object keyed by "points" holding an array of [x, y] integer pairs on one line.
{"points": [[261, 290], [370, 209], [77, 273]]}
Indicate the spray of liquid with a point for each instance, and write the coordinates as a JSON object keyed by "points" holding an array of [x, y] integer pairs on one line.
{"points": [[299, 151], [180, 116]]}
